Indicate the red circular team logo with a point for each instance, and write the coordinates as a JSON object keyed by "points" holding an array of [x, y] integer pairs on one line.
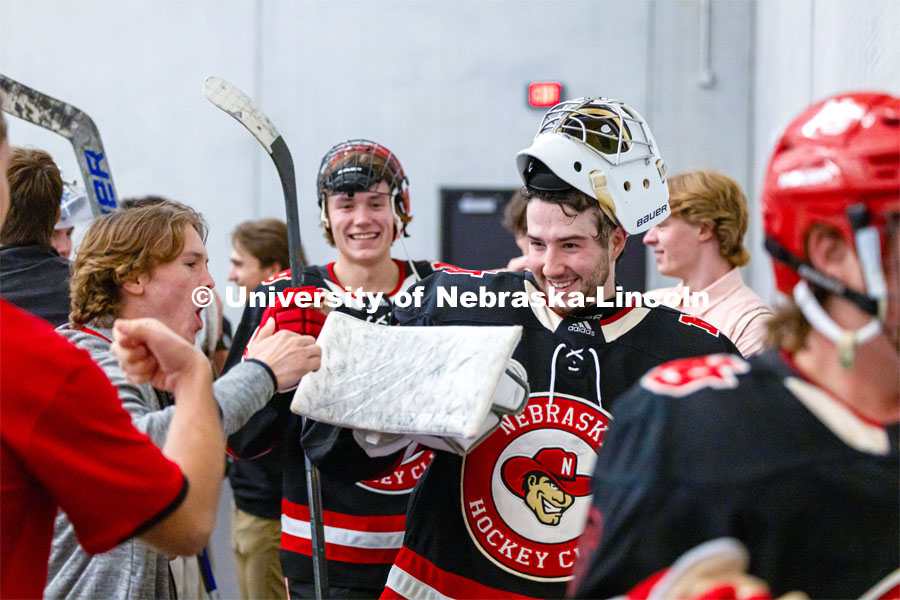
{"points": [[404, 478], [526, 489]]}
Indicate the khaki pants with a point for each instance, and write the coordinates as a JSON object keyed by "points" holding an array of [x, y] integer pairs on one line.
{"points": [[257, 546], [185, 572]]}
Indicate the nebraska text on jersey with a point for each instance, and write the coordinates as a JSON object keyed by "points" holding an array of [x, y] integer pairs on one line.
{"points": [[526, 489], [404, 478]]}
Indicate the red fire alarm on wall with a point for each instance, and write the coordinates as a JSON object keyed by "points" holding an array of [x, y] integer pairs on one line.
{"points": [[542, 94]]}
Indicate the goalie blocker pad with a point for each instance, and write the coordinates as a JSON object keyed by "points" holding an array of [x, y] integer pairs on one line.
{"points": [[445, 387]]}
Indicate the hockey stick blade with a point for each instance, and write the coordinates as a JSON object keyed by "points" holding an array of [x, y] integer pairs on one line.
{"points": [[236, 103], [73, 124], [228, 97]]}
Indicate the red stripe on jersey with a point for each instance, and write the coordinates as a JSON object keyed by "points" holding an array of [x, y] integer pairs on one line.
{"points": [[444, 582], [368, 556], [891, 594], [390, 294], [402, 268], [616, 316], [389, 594], [330, 268], [96, 334], [376, 523], [236, 456], [286, 274]]}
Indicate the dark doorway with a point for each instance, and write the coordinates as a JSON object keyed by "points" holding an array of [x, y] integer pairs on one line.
{"points": [[472, 233]]}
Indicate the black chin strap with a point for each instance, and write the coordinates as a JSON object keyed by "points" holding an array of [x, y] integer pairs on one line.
{"points": [[816, 277]]}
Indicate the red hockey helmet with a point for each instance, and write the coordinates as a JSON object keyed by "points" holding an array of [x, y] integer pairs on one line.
{"points": [[354, 166], [837, 164]]}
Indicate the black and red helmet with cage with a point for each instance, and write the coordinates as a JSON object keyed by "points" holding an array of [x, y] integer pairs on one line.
{"points": [[354, 166]]}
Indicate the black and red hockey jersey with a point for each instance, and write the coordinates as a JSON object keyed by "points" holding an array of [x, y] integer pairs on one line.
{"points": [[722, 447], [504, 521], [364, 520]]}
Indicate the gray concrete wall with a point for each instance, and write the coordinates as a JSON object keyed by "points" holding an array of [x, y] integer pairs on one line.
{"points": [[701, 125]]}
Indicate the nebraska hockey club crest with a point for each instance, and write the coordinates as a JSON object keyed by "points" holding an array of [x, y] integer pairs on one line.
{"points": [[526, 489]]}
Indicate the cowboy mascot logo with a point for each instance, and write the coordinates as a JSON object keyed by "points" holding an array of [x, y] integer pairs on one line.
{"points": [[547, 482]]}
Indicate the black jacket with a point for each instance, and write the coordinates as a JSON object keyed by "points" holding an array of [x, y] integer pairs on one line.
{"points": [[36, 279], [722, 447]]}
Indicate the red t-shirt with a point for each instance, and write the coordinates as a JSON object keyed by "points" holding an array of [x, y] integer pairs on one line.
{"points": [[66, 441]]}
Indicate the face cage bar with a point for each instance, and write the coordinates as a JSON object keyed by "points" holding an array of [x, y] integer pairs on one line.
{"points": [[556, 121], [359, 148]]}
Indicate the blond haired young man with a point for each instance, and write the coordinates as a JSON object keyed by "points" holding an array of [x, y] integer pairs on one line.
{"points": [[702, 244], [138, 263], [68, 443]]}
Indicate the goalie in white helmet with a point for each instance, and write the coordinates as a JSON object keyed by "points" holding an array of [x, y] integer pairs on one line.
{"points": [[502, 518]]}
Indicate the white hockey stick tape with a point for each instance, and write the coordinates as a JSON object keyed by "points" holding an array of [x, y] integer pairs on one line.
{"points": [[236, 103]]}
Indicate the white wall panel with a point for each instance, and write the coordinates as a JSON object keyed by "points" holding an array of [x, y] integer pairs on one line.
{"points": [[855, 46], [806, 50], [701, 127]]}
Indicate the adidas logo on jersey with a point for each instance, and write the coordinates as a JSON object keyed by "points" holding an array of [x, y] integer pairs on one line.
{"points": [[582, 327]]}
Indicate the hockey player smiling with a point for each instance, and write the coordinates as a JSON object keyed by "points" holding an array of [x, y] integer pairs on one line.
{"points": [[572, 254]]}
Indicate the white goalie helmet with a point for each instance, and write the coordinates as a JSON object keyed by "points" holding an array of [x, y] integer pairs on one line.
{"points": [[605, 149]]}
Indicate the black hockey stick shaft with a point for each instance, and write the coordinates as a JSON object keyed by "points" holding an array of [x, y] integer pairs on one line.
{"points": [[232, 100], [284, 164]]}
